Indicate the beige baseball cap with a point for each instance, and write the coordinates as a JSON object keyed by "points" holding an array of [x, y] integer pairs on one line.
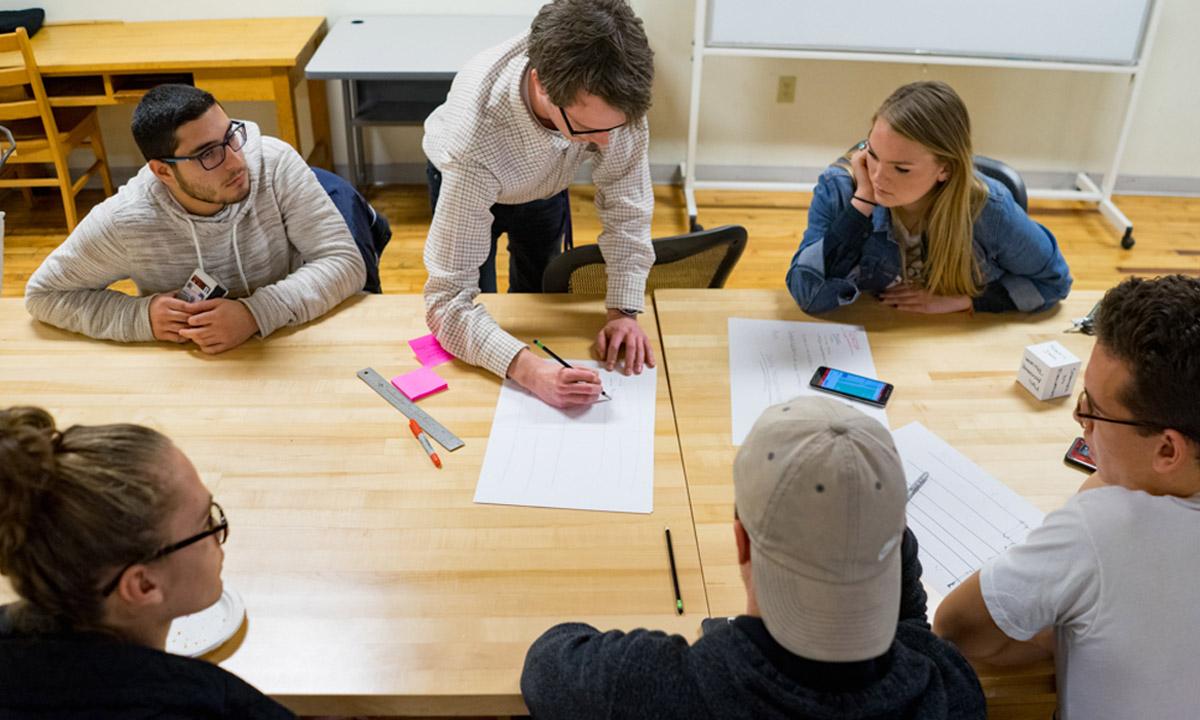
{"points": [[820, 490]]}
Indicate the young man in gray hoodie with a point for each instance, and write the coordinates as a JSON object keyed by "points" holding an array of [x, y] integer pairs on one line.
{"points": [[215, 196]]}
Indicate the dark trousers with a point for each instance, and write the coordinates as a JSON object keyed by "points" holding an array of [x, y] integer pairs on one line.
{"points": [[369, 229], [537, 232]]}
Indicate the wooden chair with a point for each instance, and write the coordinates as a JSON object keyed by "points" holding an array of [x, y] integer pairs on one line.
{"points": [[45, 135]]}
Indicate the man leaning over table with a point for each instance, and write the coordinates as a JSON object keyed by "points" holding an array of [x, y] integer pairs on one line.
{"points": [[519, 121], [1110, 583], [214, 195]]}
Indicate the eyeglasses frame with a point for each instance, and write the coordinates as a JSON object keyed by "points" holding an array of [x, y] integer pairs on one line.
{"points": [[222, 527], [235, 127], [573, 131]]}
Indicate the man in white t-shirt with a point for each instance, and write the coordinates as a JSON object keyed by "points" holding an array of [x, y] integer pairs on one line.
{"points": [[1110, 583]]}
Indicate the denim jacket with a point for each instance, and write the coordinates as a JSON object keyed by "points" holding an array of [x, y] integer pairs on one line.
{"points": [[1018, 257]]}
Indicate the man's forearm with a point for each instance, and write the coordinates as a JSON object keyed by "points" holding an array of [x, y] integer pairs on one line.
{"points": [[963, 619]]}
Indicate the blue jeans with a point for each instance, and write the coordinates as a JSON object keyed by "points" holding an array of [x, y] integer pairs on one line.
{"points": [[370, 230], [537, 232]]}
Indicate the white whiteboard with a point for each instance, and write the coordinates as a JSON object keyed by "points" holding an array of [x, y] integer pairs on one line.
{"points": [[1090, 31]]}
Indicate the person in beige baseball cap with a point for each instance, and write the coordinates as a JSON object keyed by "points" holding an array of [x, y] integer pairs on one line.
{"points": [[835, 622]]}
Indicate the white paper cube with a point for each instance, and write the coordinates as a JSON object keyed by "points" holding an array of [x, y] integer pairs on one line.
{"points": [[1048, 370]]}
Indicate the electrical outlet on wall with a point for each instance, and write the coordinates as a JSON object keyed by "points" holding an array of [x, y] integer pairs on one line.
{"points": [[786, 92]]}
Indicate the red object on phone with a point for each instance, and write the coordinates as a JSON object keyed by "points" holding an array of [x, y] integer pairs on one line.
{"points": [[1080, 456]]}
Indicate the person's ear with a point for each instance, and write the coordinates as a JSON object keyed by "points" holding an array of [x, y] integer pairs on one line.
{"points": [[139, 588], [1173, 451], [743, 542], [535, 82], [943, 172], [162, 171]]}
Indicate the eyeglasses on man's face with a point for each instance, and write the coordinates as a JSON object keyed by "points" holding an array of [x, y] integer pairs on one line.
{"points": [[573, 131], [217, 525], [211, 157], [1084, 413]]}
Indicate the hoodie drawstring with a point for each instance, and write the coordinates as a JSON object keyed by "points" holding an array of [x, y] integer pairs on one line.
{"points": [[196, 242], [238, 257]]}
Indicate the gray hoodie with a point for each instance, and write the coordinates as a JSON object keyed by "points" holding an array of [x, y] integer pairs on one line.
{"points": [[284, 251]]}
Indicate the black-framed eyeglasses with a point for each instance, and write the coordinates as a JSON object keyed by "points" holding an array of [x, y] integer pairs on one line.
{"points": [[1083, 412], [211, 158], [217, 525], [573, 131]]}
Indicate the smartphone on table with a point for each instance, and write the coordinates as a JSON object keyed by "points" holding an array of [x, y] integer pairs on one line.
{"points": [[848, 385], [1080, 456]]}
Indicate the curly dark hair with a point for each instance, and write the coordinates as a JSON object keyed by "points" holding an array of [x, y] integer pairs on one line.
{"points": [[75, 505], [594, 46], [160, 113], [1153, 327]]}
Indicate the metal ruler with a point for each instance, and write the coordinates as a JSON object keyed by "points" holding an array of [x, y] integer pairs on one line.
{"points": [[432, 428]]}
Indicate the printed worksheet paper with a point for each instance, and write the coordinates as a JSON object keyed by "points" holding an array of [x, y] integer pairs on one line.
{"points": [[596, 458], [772, 361]]}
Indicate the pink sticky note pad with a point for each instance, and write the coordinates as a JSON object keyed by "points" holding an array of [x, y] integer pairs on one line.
{"points": [[429, 351], [419, 383]]}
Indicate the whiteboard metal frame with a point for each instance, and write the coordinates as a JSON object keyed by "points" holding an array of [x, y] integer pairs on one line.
{"points": [[1086, 190]]}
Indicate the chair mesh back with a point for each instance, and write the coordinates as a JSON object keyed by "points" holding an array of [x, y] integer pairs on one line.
{"points": [[693, 271]]}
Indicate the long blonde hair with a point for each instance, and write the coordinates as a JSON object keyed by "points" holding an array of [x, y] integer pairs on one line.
{"points": [[75, 505], [932, 114]]}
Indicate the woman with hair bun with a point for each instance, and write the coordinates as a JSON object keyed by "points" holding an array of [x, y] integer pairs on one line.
{"points": [[107, 534], [906, 217]]}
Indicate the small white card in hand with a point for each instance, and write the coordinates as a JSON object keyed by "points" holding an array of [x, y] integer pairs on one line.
{"points": [[598, 457]]}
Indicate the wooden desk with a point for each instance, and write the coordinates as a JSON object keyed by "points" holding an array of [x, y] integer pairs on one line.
{"points": [[955, 375], [373, 583], [106, 63]]}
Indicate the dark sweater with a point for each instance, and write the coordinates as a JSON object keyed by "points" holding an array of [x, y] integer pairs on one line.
{"points": [[737, 670], [85, 675]]}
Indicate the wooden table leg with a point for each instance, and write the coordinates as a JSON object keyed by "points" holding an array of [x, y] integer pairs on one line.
{"points": [[318, 106], [285, 108]]}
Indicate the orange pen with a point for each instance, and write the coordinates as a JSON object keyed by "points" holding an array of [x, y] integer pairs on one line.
{"points": [[420, 435]]}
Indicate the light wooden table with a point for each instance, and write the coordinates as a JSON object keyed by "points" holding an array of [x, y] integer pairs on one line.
{"points": [[954, 374], [106, 63], [373, 584]]}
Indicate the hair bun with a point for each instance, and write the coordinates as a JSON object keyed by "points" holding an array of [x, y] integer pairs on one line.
{"points": [[28, 442]]}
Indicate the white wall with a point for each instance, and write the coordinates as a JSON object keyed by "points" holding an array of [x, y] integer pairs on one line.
{"points": [[1036, 120]]}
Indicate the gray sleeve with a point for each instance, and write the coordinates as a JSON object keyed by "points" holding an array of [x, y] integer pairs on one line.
{"points": [[333, 268], [69, 289]]}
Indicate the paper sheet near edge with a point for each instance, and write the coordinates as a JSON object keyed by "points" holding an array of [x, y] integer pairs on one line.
{"points": [[596, 458], [771, 361], [962, 517]]}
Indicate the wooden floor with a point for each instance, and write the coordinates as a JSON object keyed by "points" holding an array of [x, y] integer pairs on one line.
{"points": [[1167, 232]]}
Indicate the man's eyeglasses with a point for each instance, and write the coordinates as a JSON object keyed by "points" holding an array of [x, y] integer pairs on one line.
{"points": [[217, 525], [211, 158], [1083, 411], [573, 131]]}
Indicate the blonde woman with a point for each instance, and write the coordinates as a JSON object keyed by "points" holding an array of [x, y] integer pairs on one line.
{"points": [[907, 218], [107, 535]]}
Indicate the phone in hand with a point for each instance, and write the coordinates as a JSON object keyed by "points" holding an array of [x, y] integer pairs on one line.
{"points": [[201, 286], [848, 385], [1080, 456]]}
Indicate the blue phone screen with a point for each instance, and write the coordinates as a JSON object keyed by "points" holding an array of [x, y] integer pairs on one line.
{"points": [[851, 384]]}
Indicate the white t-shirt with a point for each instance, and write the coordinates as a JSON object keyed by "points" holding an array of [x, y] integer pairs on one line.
{"points": [[1117, 572]]}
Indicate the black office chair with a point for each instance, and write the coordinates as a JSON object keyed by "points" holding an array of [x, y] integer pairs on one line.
{"points": [[701, 259], [1010, 178]]}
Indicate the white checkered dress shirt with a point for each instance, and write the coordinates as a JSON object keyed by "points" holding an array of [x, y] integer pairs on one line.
{"points": [[490, 149]]}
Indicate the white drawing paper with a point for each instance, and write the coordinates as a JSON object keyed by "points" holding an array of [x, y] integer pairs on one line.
{"points": [[600, 457]]}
